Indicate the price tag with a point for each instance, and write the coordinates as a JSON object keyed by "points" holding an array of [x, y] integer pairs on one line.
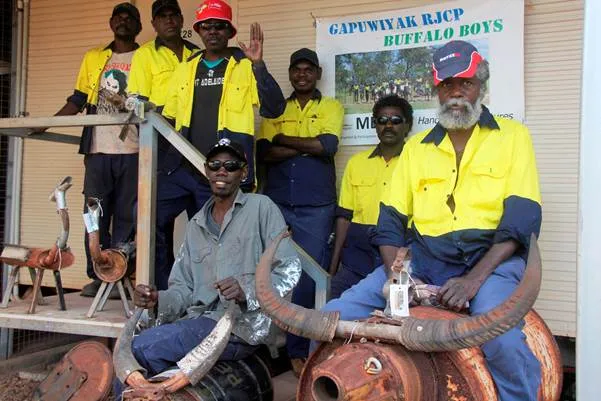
{"points": [[399, 297]]}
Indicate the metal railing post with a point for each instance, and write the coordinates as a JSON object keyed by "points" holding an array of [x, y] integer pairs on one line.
{"points": [[145, 233]]}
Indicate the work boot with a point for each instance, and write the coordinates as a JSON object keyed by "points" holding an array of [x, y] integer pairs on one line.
{"points": [[90, 289]]}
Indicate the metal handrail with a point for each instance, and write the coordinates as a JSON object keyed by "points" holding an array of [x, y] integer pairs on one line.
{"points": [[149, 123]]}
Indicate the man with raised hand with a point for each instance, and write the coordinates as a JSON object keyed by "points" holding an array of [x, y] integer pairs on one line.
{"points": [[210, 97]]}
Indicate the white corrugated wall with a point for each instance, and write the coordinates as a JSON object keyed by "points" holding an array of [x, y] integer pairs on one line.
{"points": [[61, 31]]}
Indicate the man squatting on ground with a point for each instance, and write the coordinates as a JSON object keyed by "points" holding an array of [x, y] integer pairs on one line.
{"points": [[366, 178], [215, 264], [298, 149], [470, 189], [210, 97], [111, 164]]}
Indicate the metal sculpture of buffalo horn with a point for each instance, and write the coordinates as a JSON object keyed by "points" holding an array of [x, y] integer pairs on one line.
{"points": [[432, 355], [193, 366]]}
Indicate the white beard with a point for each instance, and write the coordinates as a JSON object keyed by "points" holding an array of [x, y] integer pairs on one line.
{"points": [[459, 119]]}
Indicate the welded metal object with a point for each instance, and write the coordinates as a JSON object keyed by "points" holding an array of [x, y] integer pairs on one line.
{"points": [[83, 374], [244, 380], [290, 317], [193, 366], [414, 333], [433, 373], [349, 371], [38, 259], [110, 265]]}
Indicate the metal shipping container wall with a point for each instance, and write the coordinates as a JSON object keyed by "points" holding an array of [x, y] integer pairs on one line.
{"points": [[61, 31]]}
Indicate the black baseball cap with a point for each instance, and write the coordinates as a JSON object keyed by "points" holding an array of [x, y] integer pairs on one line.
{"points": [[306, 55], [158, 5], [127, 8], [227, 145], [455, 59]]}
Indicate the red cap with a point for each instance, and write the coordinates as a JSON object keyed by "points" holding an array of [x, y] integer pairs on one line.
{"points": [[214, 9]]}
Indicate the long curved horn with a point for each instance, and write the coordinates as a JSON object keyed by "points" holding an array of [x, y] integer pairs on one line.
{"points": [[289, 317], [448, 335], [426, 334], [59, 196], [123, 359], [193, 366], [201, 359]]}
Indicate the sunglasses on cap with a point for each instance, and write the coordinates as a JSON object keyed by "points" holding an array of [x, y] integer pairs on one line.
{"points": [[218, 26], [228, 165], [395, 120]]}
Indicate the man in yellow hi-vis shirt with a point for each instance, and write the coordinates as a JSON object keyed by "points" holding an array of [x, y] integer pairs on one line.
{"points": [[211, 96], [465, 197], [154, 62], [367, 177], [111, 163]]}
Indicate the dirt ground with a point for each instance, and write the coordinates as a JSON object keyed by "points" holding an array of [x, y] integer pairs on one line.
{"points": [[14, 388], [21, 385]]}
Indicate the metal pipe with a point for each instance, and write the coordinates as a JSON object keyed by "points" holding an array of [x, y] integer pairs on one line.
{"points": [[24, 58], [59, 196]]}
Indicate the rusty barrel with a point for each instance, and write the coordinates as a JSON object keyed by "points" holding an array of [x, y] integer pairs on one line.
{"points": [[244, 380], [367, 371]]}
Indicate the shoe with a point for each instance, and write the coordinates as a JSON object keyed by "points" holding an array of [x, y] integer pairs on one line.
{"points": [[90, 289], [297, 365]]}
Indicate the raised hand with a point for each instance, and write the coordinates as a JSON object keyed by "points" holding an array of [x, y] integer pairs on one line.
{"points": [[254, 50]]}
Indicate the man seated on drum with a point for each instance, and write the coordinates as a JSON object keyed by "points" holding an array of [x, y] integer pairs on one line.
{"points": [[465, 197], [216, 264]]}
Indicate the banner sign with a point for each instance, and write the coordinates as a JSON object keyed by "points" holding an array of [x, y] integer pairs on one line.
{"points": [[367, 56]]}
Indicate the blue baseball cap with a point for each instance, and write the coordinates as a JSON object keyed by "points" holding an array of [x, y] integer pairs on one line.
{"points": [[455, 59]]}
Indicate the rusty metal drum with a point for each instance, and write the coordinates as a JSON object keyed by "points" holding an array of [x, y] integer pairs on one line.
{"points": [[368, 371], [244, 380]]}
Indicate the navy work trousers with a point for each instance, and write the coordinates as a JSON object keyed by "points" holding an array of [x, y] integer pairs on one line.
{"points": [[311, 228], [113, 180], [180, 190], [513, 366], [160, 348]]}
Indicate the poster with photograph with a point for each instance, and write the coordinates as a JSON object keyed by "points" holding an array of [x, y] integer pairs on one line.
{"points": [[367, 56]]}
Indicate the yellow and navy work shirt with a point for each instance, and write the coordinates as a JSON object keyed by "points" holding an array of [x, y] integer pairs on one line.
{"points": [[304, 180], [151, 70], [85, 94], [244, 86], [367, 178], [496, 194]]}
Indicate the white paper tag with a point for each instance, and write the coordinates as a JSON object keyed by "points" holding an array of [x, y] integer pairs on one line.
{"points": [[91, 222], [399, 300]]}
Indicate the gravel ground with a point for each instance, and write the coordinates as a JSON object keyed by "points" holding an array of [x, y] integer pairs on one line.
{"points": [[20, 386], [14, 388]]}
